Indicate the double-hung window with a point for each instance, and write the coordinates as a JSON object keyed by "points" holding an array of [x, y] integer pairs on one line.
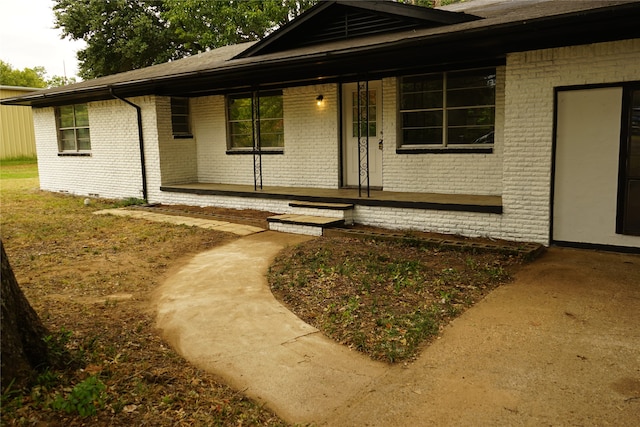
{"points": [[73, 128], [450, 109], [255, 121], [180, 118]]}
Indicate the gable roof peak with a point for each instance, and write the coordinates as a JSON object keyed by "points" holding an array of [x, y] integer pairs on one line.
{"points": [[334, 20]]}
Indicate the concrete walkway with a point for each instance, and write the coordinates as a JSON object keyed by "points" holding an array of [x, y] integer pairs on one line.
{"points": [[211, 224], [560, 346], [219, 313]]}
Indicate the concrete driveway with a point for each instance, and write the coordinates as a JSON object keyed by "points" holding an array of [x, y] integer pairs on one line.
{"points": [[558, 346]]}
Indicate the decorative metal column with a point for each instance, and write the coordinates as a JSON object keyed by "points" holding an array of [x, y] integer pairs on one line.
{"points": [[257, 148], [363, 137]]}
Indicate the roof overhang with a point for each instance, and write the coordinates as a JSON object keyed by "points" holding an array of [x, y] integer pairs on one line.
{"points": [[480, 44]]}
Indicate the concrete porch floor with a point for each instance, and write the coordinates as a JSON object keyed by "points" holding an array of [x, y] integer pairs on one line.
{"points": [[435, 201]]}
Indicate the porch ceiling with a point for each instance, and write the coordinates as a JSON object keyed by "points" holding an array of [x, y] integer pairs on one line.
{"points": [[430, 201]]}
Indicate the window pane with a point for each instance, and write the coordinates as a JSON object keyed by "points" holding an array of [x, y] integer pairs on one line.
{"points": [[472, 79], [422, 136], [363, 129], [422, 100], [271, 139], [239, 108], [428, 82], [271, 126], [83, 133], [181, 128], [84, 144], [179, 106], [73, 125], [271, 107], [66, 116], [470, 116], [82, 115], [422, 119], [68, 138], [470, 135], [470, 97], [241, 141], [421, 92]]}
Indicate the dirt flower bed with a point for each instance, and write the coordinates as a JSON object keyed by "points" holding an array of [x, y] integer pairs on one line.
{"points": [[384, 299]]}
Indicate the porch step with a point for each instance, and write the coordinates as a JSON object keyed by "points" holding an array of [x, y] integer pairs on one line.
{"points": [[302, 224], [320, 205], [343, 211]]}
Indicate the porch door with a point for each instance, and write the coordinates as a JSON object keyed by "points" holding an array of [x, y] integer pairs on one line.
{"points": [[351, 153], [586, 166]]}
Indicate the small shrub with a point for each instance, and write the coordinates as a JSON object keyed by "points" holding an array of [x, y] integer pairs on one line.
{"points": [[84, 399]]}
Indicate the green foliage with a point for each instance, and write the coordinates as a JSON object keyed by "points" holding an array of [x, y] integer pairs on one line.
{"points": [[131, 201], [121, 35], [124, 35], [29, 77], [16, 161], [57, 81], [10, 398], [57, 343], [205, 24], [84, 399]]}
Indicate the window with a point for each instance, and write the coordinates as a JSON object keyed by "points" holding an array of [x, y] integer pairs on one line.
{"points": [[629, 197], [371, 113], [256, 120], [448, 109], [180, 118], [73, 128]]}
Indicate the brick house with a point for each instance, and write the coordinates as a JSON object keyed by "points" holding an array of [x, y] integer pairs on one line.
{"points": [[510, 120]]}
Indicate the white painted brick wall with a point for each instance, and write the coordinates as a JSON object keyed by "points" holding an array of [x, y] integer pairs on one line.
{"points": [[308, 230], [231, 202], [178, 157], [441, 173], [519, 168], [530, 82], [447, 222], [310, 156], [112, 170]]}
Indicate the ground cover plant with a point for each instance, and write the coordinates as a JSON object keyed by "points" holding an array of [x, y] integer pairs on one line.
{"points": [[91, 280], [385, 299]]}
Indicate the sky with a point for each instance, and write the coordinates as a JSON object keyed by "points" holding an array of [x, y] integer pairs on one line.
{"points": [[28, 38]]}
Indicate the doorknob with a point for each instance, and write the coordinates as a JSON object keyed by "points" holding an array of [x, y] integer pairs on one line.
{"points": [[380, 145]]}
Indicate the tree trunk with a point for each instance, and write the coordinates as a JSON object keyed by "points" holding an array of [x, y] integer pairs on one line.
{"points": [[23, 350]]}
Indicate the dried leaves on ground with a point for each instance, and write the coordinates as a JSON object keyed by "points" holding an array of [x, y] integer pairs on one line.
{"points": [[385, 299], [91, 280]]}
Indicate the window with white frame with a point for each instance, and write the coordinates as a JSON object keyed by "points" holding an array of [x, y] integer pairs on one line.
{"points": [[255, 119], [73, 128], [448, 109], [180, 118]]}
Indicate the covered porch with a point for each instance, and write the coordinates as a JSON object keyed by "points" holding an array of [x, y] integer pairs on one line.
{"points": [[389, 199]]}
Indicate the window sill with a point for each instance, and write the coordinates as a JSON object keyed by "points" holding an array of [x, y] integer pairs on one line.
{"points": [[444, 150], [185, 136], [74, 154], [251, 152]]}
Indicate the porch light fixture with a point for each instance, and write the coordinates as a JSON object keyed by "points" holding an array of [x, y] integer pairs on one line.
{"points": [[319, 100]]}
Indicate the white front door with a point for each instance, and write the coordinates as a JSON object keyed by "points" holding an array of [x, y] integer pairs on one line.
{"points": [[351, 172]]}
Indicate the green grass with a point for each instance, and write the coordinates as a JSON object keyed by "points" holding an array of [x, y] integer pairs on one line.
{"points": [[18, 168]]}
